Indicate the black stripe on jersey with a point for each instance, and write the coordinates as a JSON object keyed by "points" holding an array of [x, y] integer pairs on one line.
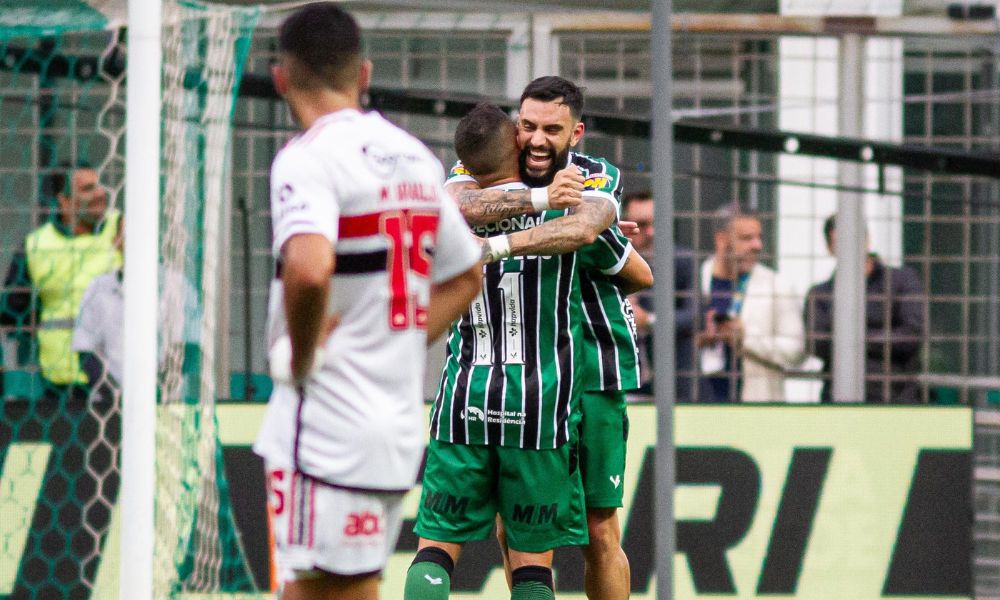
{"points": [[442, 385], [354, 263], [531, 395], [465, 367], [601, 329], [498, 378], [564, 346], [608, 237], [492, 275], [361, 262]]}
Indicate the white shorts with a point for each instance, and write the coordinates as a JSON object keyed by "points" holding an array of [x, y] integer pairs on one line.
{"points": [[320, 528]]}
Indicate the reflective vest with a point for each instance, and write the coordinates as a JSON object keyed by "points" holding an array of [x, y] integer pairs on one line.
{"points": [[61, 267]]}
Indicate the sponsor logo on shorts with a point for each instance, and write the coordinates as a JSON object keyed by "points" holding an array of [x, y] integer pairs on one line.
{"points": [[535, 513], [443, 502], [362, 524], [616, 480]]}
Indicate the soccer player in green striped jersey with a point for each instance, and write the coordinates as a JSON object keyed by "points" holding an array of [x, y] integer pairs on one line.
{"points": [[514, 351], [548, 127]]}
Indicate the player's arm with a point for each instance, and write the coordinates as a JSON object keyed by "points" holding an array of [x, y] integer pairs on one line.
{"points": [[480, 207], [578, 228], [450, 299], [635, 276], [308, 263]]}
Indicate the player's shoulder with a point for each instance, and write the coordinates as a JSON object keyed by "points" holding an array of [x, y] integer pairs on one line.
{"points": [[598, 172], [593, 164]]}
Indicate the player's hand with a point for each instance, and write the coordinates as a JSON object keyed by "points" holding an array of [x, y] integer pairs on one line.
{"points": [[565, 190], [731, 331], [486, 254], [709, 335], [629, 229], [294, 370]]}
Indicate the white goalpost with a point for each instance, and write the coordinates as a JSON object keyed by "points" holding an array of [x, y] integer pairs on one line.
{"points": [[142, 204]]}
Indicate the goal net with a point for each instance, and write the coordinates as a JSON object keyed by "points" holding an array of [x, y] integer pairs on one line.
{"points": [[62, 109]]}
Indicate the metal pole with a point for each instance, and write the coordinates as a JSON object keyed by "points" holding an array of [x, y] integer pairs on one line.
{"points": [[849, 285], [249, 391], [142, 202], [663, 266]]}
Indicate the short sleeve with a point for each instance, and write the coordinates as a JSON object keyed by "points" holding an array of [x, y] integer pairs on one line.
{"points": [[459, 174], [608, 253], [456, 250], [303, 199], [604, 182]]}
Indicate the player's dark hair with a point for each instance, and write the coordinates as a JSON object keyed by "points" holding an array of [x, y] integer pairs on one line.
{"points": [[551, 88], [57, 181], [635, 197], [325, 42], [829, 226], [484, 139]]}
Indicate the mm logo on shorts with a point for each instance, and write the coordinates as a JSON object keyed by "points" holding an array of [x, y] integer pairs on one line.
{"points": [[365, 523], [537, 513], [443, 502]]}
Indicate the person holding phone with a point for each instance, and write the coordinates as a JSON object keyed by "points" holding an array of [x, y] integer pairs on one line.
{"points": [[752, 328]]}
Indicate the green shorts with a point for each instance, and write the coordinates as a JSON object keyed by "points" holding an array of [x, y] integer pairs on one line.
{"points": [[537, 493], [603, 437]]}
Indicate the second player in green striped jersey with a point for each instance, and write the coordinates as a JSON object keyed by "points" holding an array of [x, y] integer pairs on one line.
{"points": [[612, 359], [516, 359]]}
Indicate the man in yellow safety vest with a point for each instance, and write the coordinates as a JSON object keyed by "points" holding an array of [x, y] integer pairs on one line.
{"points": [[47, 279]]}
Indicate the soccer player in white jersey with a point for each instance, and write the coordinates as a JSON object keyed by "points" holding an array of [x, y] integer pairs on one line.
{"points": [[366, 239]]}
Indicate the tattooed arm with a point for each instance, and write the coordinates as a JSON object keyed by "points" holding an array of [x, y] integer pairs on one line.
{"points": [[577, 229], [480, 207]]}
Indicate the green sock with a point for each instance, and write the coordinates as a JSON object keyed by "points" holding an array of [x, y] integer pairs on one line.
{"points": [[427, 581], [531, 590]]}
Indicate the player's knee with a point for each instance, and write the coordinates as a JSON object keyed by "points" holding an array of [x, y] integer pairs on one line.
{"points": [[429, 575], [531, 582]]}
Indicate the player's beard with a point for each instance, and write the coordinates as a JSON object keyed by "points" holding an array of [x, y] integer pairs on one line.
{"points": [[559, 161]]}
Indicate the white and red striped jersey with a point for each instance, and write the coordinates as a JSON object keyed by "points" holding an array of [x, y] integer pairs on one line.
{"points": [[376, 193]]}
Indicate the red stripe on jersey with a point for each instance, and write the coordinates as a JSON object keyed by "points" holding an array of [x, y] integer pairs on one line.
{"points": [[364, 225], [355, 226]]}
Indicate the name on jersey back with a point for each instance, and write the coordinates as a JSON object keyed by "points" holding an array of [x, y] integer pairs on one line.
{"points": [[409, 191]]}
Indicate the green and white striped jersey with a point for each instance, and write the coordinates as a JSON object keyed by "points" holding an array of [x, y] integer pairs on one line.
{"points": [[611, 343], [514, 368]]}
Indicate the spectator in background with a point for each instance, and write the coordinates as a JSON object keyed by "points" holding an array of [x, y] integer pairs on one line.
{"points": [[47, 279], [638, 207], [753, 327], [98, 335], [895, 324]]}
